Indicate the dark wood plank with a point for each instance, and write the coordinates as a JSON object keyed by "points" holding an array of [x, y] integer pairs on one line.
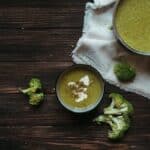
{"points": [[45, 3], [15, 111], [39, 45], [73, 138], [15, 75], [41, 17]]}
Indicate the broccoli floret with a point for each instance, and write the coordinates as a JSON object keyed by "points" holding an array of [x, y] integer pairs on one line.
{"points": [[118, 106], [117, 116], [34, 85], [124, 72], [34, 92], [119, 125], [36, 99]]}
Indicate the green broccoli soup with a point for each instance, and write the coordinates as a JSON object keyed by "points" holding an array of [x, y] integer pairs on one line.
{"points": [[133, 23], [80, 88]]}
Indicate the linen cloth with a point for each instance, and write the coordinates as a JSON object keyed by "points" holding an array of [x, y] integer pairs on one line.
{"points": [[99, 48]]}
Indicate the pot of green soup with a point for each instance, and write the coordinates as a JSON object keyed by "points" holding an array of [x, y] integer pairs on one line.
{"points": [[132, 25]]}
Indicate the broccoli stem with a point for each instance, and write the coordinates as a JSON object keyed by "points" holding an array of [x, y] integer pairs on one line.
{"points": [[115, 111]]}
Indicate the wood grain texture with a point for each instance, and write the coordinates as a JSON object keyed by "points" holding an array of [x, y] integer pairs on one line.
{"points": [[46, 3], [36, 40], [41, 17], [37, 45]]}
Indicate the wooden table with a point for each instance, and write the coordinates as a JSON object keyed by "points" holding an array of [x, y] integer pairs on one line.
{"points": [[36, 40]]}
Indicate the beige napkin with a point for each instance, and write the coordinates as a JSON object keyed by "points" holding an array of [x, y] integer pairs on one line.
{"points": [[99, 48]]}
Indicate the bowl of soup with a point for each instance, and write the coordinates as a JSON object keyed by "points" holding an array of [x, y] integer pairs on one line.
{"points": [[132, 25], [80, 88]]}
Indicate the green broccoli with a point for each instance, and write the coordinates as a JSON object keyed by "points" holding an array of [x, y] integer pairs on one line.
{"points": [[36, 99], [34, 85], [119, 125], [118, 106], [117, 116], [124, 72], [34, 92]]}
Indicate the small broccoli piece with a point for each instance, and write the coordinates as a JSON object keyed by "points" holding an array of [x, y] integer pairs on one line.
{"points": [[119, 125], [36, 99], [34, 92], [124, 72], [118, 106], [34, 85]]}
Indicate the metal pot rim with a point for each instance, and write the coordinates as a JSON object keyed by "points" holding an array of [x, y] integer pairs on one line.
{"points": [[136, 51]]}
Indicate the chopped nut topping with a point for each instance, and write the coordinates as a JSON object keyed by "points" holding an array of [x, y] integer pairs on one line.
{"points": [[79, 88]]}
